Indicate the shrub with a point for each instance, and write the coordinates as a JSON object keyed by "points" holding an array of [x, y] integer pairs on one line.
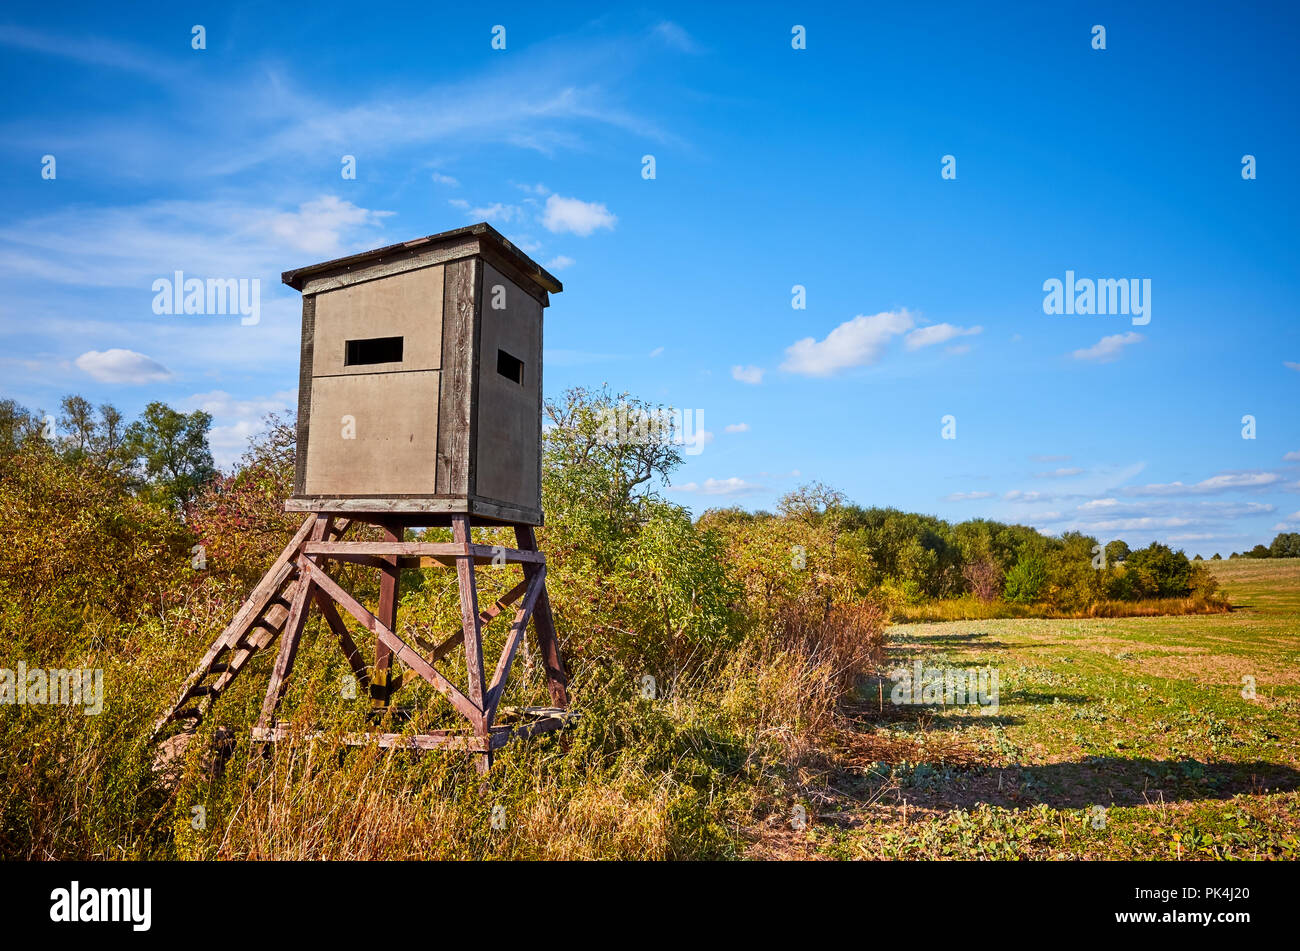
{"points": [[1026, 580]]}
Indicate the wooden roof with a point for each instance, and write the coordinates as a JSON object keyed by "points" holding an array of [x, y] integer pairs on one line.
{"points": [[486, 234]]}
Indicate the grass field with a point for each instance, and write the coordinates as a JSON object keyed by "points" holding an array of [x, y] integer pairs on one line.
{"points": [[1113, 738]]}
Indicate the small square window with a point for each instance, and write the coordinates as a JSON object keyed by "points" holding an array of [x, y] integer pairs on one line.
{"points": [[512, 368]]}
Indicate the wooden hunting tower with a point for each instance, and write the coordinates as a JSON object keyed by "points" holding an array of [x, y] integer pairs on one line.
{"points": [[419, 405], [420, 387]]}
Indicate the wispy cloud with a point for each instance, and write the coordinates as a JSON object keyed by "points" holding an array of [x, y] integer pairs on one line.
{"points": [[747, 374], [731, 486], [1214, 484], [676, 37], [1108, 348], [936, 334]]}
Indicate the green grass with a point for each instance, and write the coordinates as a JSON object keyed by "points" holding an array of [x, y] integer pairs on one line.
{"points": [[1114, 738]]}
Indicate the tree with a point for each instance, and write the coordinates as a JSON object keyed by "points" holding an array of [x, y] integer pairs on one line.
{"points": [[1285, 545], [984, 578], [1160, 572], [1117, 551], [17, 422], [603, 460], [171, 450]]}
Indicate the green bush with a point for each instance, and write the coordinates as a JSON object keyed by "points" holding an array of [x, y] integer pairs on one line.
{"points": [[1026, 580]]}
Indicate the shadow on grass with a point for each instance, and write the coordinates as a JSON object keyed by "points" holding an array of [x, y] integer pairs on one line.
{"points": [[1094, 781]]}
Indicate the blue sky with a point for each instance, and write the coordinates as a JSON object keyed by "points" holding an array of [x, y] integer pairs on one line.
{"points": [[775, 167]]}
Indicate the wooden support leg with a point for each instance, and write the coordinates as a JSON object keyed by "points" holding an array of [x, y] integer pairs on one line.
{"points": [[382, 689], [473, 633], [288, 651], [557, 681]]}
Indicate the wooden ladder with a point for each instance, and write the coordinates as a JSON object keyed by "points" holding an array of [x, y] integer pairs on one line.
{"points": [[259, 621]]}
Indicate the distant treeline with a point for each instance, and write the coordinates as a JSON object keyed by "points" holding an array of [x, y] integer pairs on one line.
{"points": [[913, 558], [1285, 545]]}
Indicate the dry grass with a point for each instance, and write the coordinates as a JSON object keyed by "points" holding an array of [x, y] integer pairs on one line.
{"points": [[972, 609]]}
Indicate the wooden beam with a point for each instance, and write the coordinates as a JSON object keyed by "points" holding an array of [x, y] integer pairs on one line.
{"points": [[288, 651], [388, 584], [557, 681], [331, 615], [482, 554], [499, 678], [471, 629]]}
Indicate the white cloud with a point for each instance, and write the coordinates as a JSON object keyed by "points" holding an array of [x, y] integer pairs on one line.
{"points": [[854, 343], [656, 352], [560, 262], [937, 333], [747, 374], [576, 216], [500, 212], [1219, 483], [737, 427], [1290, 365], [1058, 473], [1041, 458], [122, 366], [1107, 348], [967, 496], [442, 179], [1291, 457], [732, 486], [317, 227]]}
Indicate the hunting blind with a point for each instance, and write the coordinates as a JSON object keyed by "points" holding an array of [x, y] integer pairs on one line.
{"points": [[419, 404]]}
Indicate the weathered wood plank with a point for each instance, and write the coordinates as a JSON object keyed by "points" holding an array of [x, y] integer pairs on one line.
{"points": [[306, 359], [469, 610], [455, 400], [388, 584]]}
